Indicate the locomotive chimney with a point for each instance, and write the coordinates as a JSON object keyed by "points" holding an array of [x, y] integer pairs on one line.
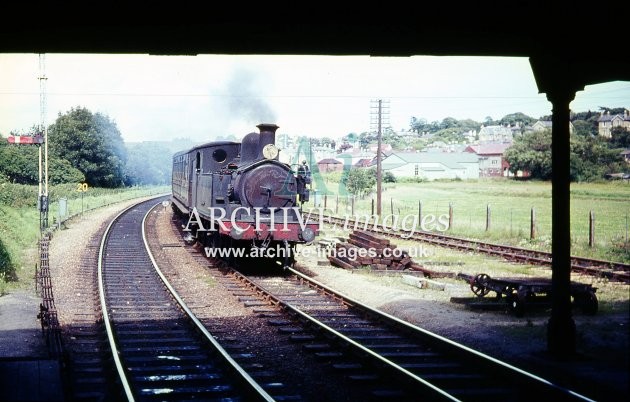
{"points": [[253, 143], [267, 136]]}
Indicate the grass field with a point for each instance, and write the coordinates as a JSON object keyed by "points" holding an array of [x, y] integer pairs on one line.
{"points": [[19, 223], [510, 203]]}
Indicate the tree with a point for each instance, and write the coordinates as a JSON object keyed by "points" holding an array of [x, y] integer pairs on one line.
{"points": [[360, 181], [489, 122], [531, 152], [92, 144], [417, 125], [449, 122], [591, 158], [421, 125], [61, 171], [513, 118], [620, 137], [468, 125], [351, 137], [390, 137], [612, 110], [364, 139], [584, 128], [148, 163], [19, 164], [326, 141], [389, 177]]}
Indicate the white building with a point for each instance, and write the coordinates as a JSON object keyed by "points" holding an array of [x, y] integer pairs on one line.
{"points": [[433, 165]]}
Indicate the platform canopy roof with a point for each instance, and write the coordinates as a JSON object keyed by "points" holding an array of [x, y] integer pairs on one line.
{"points": [[569, 45]]}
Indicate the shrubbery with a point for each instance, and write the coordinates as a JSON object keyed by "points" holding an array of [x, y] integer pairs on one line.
{"points": [[18, 195]]}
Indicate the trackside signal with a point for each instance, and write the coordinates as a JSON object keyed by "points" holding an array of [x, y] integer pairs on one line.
{"points": [[26, 139]]}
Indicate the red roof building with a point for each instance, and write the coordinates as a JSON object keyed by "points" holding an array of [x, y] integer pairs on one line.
{"points": [[491, 161]]}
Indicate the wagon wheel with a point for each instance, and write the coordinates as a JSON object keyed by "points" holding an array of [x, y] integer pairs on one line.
{"points": [[587, 302], [479, 285], [517, 302]]}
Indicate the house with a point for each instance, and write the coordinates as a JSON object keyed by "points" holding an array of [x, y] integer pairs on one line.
{"points": [[329, 165], [491, 161], [542, 125], [303, 150], [495, 134], [433, 165], [385, 148], [365, 162], [606, 122], [353, 157], [625, 154]]}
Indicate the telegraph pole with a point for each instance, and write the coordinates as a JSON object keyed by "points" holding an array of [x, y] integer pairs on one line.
{"points": [[379, 110], [43, 193]]}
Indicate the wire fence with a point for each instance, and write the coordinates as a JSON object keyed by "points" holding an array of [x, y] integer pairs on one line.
{"points": [[497, 220]]}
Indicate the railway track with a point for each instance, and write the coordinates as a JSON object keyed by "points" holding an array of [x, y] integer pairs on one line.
{"points": [[84, 339], [615, 271], [392, 359], [160, 350]]}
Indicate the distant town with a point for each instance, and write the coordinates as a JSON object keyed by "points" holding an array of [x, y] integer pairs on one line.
{"points": [[453, 149], [515, 146]]}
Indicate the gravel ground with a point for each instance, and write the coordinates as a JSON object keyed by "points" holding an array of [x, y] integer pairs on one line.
{"points": [[600, 369], [233, 323], [68, 249]]}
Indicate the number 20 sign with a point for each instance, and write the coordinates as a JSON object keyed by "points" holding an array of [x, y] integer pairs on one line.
{"points": [[82, 187]]}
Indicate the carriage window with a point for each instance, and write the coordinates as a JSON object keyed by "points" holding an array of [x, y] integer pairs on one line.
{"points": [[198, 162], [219, 155]]}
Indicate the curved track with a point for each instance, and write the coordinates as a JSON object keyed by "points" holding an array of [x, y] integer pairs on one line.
{"points": [[161, 352], [616, 271], [394, 359]]}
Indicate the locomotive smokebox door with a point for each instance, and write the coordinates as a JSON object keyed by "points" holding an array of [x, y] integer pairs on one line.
{"points": [[265, 186]]}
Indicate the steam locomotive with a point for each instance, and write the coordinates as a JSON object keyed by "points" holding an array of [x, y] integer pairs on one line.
{"points": [[240, 196]]}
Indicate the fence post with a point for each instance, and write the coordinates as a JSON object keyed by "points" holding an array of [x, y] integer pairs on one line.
{"points": [[337, 206], [591, 229], [325, 201], [450, 216], [36, 279], [372, 207], [419, 213], [391, 205], [511, 222], [532, 224], [625, 243], [487, 217], [352, 201]]}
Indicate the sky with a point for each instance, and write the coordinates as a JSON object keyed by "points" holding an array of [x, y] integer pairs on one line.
{"points": [[205, 97]]}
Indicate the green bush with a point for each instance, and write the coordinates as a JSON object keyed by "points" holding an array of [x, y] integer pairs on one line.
{"points": [[18, 195], [7, 270], [389, 177], [415, 179]]}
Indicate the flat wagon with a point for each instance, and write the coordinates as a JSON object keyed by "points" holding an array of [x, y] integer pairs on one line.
{"points": [[520, 293]]}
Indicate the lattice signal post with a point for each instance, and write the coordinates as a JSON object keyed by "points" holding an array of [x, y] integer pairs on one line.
{"points": [[39, 139]]}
